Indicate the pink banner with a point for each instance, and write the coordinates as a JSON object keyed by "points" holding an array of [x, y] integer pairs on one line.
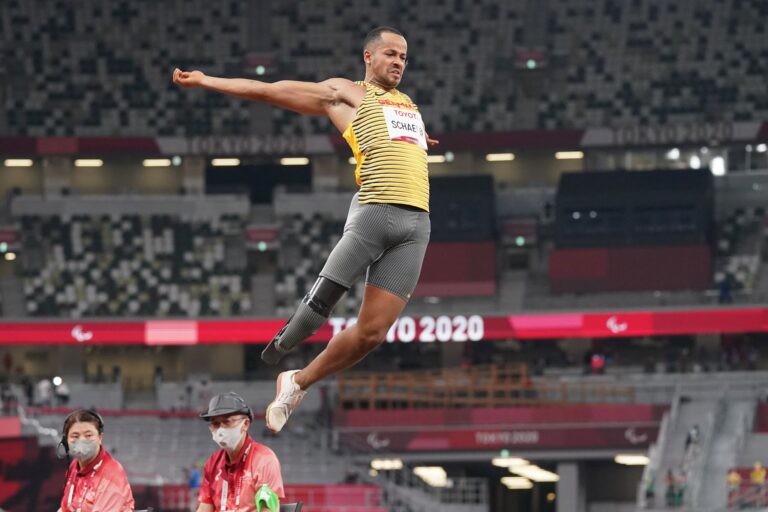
{"points": [[487, 417], [537, 437], [10, 426], [424, 329], [334, 495]]}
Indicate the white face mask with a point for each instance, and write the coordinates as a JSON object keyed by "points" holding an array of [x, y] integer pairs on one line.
{"points": [[84, 449], [228, 437]]}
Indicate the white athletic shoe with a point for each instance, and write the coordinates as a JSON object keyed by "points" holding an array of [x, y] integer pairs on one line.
{"points": [[287, 399]]}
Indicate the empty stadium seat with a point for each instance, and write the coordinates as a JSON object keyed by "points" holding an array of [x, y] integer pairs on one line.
{"points": [[133, 265], [601, 64]]}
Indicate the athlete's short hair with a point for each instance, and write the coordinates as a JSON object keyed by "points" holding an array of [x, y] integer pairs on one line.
{"points": [[375, 34]]}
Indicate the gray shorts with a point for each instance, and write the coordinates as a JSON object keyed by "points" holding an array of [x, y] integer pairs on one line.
{"points": [[386, 239]]}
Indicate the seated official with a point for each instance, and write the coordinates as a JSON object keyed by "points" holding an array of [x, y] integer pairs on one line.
{"points": [[233, 475], [95, 482]]}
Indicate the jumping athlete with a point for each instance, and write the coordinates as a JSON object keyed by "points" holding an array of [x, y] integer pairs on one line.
{"points": [[387, 228]]}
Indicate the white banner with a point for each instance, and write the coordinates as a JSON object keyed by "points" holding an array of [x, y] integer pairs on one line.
{"points": [[671, 135], [245, 145], [426, 329]]}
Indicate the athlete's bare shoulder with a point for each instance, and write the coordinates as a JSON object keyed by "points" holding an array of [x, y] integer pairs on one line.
{"points": [[346, 91]]}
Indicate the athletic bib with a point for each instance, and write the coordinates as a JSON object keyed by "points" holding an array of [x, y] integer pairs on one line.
{"points": [[388, 139], [405, 125]]}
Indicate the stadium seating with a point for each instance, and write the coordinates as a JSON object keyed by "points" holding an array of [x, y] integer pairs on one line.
{"points": [[161, 448], [740, 241], [194, 265], [140, 98], [653, 63], [133, 265], [681, 59], [195, 396]]}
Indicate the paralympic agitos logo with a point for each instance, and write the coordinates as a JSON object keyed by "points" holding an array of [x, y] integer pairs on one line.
{"points": [[80, 335]]}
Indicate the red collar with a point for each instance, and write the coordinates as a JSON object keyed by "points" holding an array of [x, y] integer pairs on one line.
{"points": [[240, 456], [91, 466]]}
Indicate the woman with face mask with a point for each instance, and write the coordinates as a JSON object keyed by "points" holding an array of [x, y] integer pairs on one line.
{"points": [[233, 475], [95, 481]]}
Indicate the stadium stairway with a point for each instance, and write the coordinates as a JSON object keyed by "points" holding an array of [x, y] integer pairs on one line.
{"points": [[728, 438], [691, 413], [689, 408], [723, 408]]}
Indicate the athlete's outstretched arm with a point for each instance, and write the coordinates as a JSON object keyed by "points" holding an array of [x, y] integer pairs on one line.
{"points": [[302, 97]]}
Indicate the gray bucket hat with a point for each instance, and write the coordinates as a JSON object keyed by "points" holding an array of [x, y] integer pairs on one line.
{"points": [[226, 403]]}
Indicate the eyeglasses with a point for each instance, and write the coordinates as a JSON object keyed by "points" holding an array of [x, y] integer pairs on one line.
{"points": [[228, 422]]}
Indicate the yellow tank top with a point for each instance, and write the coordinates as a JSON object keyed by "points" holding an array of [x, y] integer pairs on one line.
{"points": [[389, 143]]}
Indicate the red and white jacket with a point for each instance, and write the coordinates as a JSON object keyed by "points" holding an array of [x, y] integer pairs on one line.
{"points": [[101, 486], [232, 486]]}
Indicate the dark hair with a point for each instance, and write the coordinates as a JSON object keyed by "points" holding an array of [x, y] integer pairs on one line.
{"points": [[375, 35], [84, 416], [81, 415]]}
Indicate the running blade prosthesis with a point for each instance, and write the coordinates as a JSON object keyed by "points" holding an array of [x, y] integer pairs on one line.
{"points": [[273, 354]]}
